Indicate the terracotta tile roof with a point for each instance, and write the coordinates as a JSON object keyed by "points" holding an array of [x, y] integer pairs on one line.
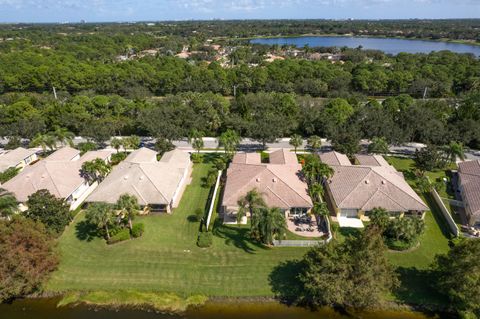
{"points": [[469, 173], [334, 158], [279, 184], [14, 157], [141, 175], [366, 187], [247, 158], [283, 156], [371, 160]]}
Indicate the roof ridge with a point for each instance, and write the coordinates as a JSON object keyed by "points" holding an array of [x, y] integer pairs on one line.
{"points": [[50, 176], [139, 194], [254, 176], [273, 192], [416, 199], [286, 183], [388, 196], [358, 184], [161, 193]]}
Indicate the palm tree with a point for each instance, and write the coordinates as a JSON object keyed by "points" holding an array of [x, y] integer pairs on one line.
{"points": [[230, 141], [132, 142], [316, 191], [95, 170], [316, 171], [271, 223], [44, 141], [251, 202], [8, 204], [116, 143], [454, 150], [196, 139], [320, 209], [128, 205], [315, 143], [296, 141], [100, 214], [63, 136]]}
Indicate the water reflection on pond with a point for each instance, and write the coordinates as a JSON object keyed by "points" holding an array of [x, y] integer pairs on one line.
{"points": [[46, 309]]}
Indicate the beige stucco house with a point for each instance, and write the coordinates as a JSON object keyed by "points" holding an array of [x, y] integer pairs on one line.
{"points": [[279, 182], [18, 158], [58, 173], [158, 185], [354, 190]]}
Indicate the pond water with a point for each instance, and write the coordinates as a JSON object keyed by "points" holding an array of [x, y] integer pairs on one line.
{"points": [[47, 309], [388, 45]]}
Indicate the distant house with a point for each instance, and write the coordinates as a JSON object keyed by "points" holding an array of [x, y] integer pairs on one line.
{"points": [[59, 173], [279, 182], [354, 190], [469, 184], [158, 185], [18, 158]]}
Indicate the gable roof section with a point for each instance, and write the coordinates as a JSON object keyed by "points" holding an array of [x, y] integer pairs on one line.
{"points": [[469, 173], [57, 173], [365, 187], [142, 155], [283, 157], [371, 160], [335, 159], [247, 158], [152, 182], [66, 153], [14, 157], [60, 178]]}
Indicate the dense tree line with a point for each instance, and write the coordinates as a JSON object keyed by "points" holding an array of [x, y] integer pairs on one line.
{"points": [[432, 29], [261, 116], [442, 74]]}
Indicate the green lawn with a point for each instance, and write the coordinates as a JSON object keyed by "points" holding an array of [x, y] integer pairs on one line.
{"points": [[166, 258], [413, 265]]}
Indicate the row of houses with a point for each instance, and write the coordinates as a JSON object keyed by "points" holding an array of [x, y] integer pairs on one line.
{"points": [[157, 184], [353, 190]]}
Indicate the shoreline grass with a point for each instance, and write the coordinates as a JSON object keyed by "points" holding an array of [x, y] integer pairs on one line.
{"points": [[164, 302]]}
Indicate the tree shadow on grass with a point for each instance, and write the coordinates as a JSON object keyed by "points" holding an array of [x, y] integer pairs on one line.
{"points": [[237, 236], [85, 231], [417, 290], [284, 282]]}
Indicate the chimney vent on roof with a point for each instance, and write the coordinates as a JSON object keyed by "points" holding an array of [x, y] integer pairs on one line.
{"points": [[141, 178], [383, 182], [258, 179], [125, 177], [274, 179], [367, 181]]}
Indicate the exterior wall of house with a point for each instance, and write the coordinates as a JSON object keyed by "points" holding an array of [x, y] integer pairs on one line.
{"points": [[181, 187]]}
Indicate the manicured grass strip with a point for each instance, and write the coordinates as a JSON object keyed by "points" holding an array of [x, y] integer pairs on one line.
{"points": [[158, 301], [167, 259]]}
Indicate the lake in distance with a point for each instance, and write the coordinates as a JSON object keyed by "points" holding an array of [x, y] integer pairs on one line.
{"points": [[387, 45]]}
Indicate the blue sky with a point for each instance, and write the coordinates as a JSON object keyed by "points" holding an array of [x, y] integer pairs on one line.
{"points": [[134, 10]]}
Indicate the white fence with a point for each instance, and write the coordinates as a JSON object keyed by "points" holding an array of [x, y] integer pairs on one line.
{"points": [[446, 213], [214, 196]]}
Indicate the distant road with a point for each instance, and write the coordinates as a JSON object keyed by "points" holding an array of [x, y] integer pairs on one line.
{"points": [[251, 145]]}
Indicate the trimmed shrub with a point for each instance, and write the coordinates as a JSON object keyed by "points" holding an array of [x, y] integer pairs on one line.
{"points": [[197, 158], [138, 230], [122, 235], [199, 213], [117, 158], [204, 240]]}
